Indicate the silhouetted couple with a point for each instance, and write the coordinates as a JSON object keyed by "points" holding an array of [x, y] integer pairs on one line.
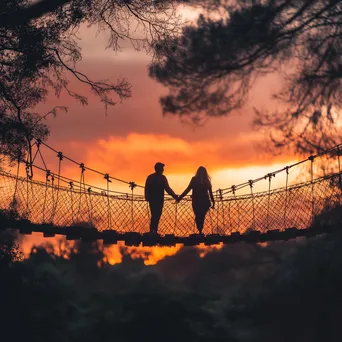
{"points": [[200, 184]]}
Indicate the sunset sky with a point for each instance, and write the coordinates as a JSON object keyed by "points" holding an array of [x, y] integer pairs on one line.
{"points": [[134, 134], [96, 244]]}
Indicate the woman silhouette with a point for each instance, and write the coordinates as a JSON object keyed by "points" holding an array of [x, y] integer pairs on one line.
{"points": [[201, 189]]}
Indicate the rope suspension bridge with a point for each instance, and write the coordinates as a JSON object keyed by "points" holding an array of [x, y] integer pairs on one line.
{"points": [[36, 199]]}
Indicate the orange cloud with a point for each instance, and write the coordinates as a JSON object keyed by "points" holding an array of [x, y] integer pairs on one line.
{"points": [[133, 157]]}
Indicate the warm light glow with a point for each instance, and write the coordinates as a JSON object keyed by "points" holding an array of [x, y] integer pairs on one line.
{"points": [[151, 255], [204, 250], [132, 158], [58, 246], [113, 254], [133, 135]]}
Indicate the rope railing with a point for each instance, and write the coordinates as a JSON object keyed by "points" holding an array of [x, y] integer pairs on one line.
{"points": [[62, 201], [257, 211], [130, 183], [79, 184], [223, 192], [286, 169]]}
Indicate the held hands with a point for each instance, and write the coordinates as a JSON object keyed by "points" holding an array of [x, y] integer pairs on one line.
{"points": [[178, 199]]}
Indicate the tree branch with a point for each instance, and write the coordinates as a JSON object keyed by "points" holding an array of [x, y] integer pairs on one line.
{"points": [[34, 11]]}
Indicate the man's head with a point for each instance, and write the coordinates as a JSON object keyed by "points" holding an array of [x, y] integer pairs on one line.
{"points": [[159, 167]]}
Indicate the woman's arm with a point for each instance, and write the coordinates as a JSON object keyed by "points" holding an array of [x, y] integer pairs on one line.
{"points": [[211, 197], [185, 192], [169, 190]]}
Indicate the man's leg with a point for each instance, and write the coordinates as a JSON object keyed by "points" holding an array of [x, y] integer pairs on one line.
{"points": [[156, 211]]}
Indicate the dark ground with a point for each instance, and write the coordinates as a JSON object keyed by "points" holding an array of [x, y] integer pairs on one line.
{"points": [[287, 291]]}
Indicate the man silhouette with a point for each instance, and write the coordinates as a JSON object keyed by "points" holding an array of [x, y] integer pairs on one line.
{"points": [[155, 185]]}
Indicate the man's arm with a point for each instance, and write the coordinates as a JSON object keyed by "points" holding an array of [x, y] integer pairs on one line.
{"points": [[169, 190], [147, 185]]}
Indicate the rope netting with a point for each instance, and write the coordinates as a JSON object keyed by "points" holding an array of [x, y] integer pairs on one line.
{"points": [[64, 202], [293, 206]]}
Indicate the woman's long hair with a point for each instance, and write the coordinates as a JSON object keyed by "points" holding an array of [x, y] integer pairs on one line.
{"points": [[202, 175]]}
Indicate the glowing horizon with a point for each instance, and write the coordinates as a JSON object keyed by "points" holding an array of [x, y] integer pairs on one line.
{"points": [[133, 135]]}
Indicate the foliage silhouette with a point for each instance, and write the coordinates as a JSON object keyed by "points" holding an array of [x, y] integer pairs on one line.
{"points": [[210, 68], [40, 54], [285, 291]]}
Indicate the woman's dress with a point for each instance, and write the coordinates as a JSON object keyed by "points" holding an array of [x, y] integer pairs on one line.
{"points": [[200, 196]]}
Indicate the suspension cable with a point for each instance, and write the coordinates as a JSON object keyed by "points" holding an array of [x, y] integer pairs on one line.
{"points": [[68, 180], [225, 190], [85, 167], [246, 184]]}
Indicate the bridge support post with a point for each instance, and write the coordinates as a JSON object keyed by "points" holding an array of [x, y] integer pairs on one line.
{"points": [[238, 208], [47, 180], [339, 173], [286, 194], [71, 185], [251, 186], [28, 178], [132, 185], [269, 176], [107, 178], [55, 203], [311, 158]]}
